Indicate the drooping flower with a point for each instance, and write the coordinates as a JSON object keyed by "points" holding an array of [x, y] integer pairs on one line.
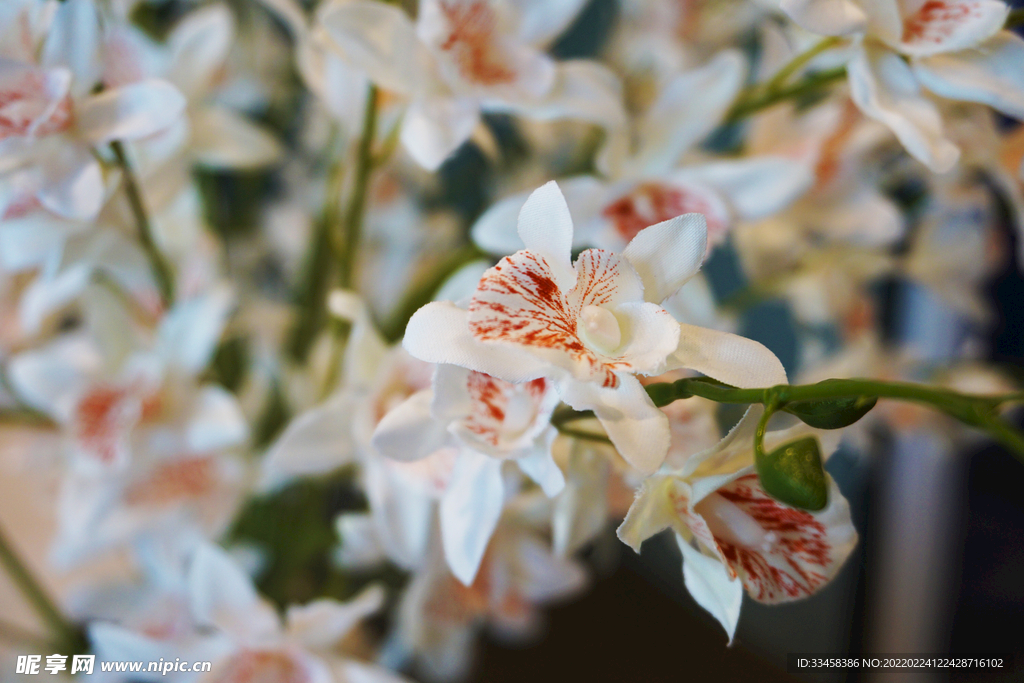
{"points": [[733, 535], [591, 326]]}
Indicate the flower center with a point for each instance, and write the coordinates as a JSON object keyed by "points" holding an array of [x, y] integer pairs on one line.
{"points": [[728, 522], [600, 329]]}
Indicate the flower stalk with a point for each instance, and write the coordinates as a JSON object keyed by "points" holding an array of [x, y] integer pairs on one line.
{"points": [[158, 263]]}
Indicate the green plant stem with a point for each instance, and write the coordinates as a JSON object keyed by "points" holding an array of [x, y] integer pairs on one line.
{"points": [[158, 263], [64, 633], [423, 290], [978, 411], [756, 100], [800, 61]]}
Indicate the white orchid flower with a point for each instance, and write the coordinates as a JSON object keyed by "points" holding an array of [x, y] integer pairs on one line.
{"points": [[733, 535], [242, 634], [51, 120], [464, 57], [904, 49], [591, 326], [476, 422], [652, 178]]}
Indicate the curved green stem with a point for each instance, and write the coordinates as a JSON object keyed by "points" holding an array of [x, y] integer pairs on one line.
{"points": [[756, 100], [800, 61], [158, 263], [978, 411], [64, 632]]}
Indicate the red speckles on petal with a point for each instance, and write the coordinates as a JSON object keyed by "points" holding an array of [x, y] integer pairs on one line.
{"points": [[938, 20], [680, 500], [101, 419], [27, 107], [471, 42], [265, 666], [652, 203], [798, 559], [172, 482], [501, 412], [518, 302]]}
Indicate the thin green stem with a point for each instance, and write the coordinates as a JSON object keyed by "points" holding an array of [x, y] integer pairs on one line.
{"points": [[800, 61], [754, 101], [63, 631], [158, 263]]}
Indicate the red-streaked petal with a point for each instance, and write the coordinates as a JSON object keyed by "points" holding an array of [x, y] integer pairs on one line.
{"points": [[804, 550], [504, 416], [951, 25], [101, 421]]}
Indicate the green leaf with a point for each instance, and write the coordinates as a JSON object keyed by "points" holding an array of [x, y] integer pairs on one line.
{"points": [[832, 413], [793, 474]]}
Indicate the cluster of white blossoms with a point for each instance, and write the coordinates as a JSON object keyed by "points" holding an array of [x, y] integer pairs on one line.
{"points": [[317, 311]]}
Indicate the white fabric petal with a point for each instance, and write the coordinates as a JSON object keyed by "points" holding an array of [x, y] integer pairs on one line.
{"points": [[638, 430], [190, 332], [884, 87], [668, 254], [470, 510], [545, 227], [711, 586], [439, 333], [755, 187], [74, 183], [583, 90], [216, 422], [826, 17], [322, 623], [992, 74], [581, 509], [317, 441], [650, 513], [434, 127], [402, 510], [409, 431], [73, 41], [223, 139], [541, 467], [540, 21], [951, 25], [380, 40], [727, 357], [678, 120], [130, 112], [222, 595], [199, 46]]}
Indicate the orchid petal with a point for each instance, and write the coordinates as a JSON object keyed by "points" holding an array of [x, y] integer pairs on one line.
{"points": [[322, 623], [755, 187], [130, 112], [951, 25], [222, 595], [190, 332], [826, 17], [545, 227], [650, 513], [991, 74], [74, 184], [222, 139], [541, 467], [434, 127], [668, 254], [316, 442], [217, 421], [540, 21], [727, 357], [199, 46], [711, 585], [409, 431], [470, 510]]}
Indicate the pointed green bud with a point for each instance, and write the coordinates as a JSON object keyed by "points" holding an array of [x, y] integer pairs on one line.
{"points": [[832, 413], [793, 474]]}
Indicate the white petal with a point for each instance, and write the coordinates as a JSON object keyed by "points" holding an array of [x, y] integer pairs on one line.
{"points": [[755, 187], [322, 623], [728, 358], [409, 431], [884, 88], [130, 112], [380, 40], [540, 21], [668, 254], [190, 332], [74, 184], [435, 127], [709, 583], [583, 90], [199, 46], [545, 227], [678, 120], [402, 507], [951, 25], [638, 430], [316, 442], [650, 513], [541, 467], [222, 595], [826, 17], [73, 41], [222, 139], [470, 511], [439, 333], [581, 509], [991, 74], [216, 422]]}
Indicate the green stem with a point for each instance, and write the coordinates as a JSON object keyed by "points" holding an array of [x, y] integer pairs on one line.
{"points": [[158, 263], [64, 632], [978, 411], [754, 101], [800, 61], [423, 290]]}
